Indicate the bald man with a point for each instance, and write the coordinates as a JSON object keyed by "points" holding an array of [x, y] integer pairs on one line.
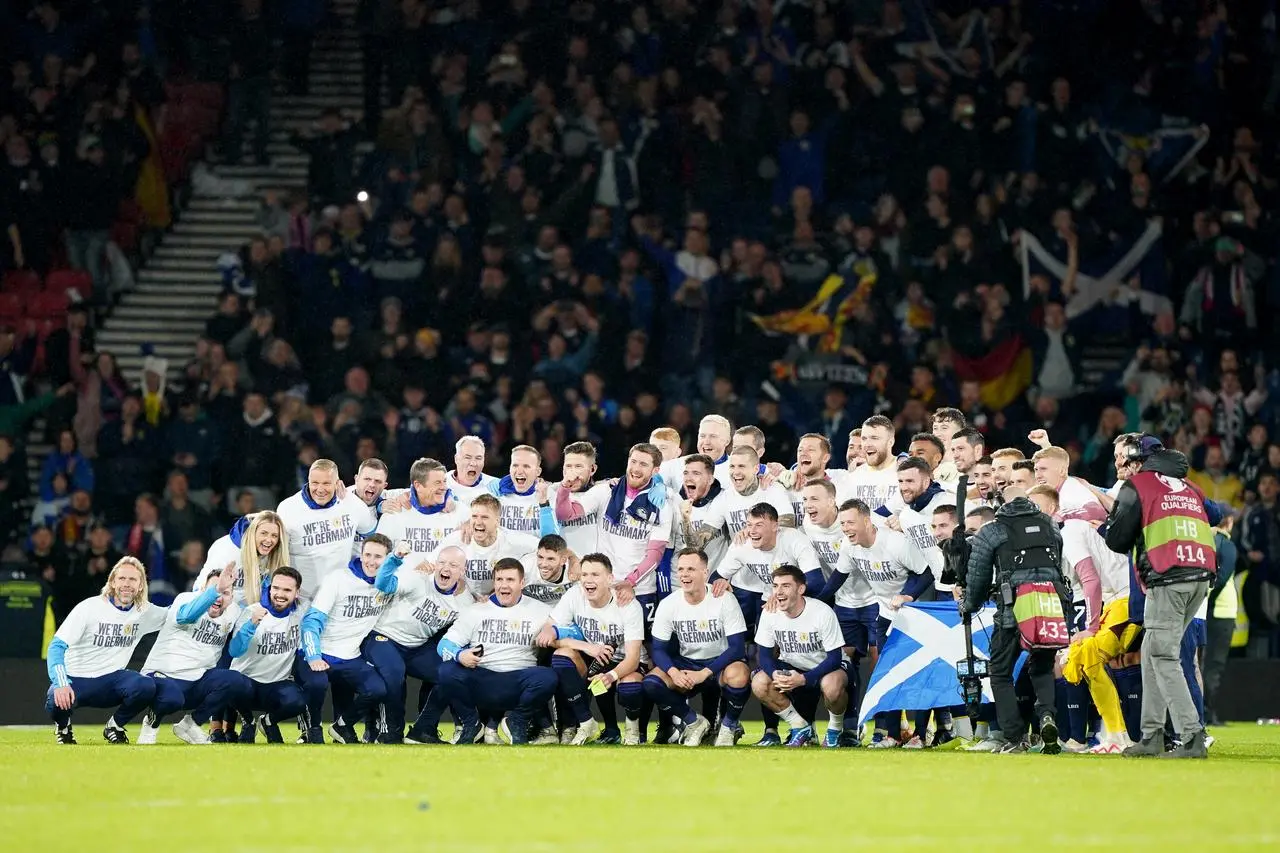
{"points": [[427, 598]]}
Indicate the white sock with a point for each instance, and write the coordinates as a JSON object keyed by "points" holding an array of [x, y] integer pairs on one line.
{"points": [[113, 724], [835, 721], [982, 730], [793, 718]]}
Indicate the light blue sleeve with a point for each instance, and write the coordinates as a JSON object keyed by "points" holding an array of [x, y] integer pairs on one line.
{"points": [[197, 607], [658, 491], [547, 521], [448, 649], [386, 581], [57, 668], [570, 632], [494, 487], [312, 627], [243, 639]]}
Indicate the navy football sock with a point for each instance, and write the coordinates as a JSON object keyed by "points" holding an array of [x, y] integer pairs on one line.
{"points": [[1076, 699], [572, 686], [671, 703], [608, 711], [770, 719], [631, 698], [1128, 681], [733, 700]]}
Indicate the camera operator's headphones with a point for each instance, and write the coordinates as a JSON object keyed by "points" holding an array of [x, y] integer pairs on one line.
{"points": [[1145, 446]]}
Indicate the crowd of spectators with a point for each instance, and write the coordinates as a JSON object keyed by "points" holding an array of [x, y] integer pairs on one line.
{"points": [[572, 214]]}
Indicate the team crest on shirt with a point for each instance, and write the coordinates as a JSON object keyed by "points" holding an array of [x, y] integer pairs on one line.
{"points": [[514, 624], [804, 636], [702, 624]]}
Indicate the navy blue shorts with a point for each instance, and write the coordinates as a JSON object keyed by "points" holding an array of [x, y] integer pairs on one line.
{"points": [[751, 604], [861, 626], [649, 604]]}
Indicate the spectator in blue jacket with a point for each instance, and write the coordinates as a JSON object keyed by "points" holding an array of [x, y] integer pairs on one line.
{"points": [[193, 444], [69, 461]]}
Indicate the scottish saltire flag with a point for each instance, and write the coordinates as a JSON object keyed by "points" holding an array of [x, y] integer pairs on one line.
{"points": [[917, 666], [1165, 151], [1130, 269]]}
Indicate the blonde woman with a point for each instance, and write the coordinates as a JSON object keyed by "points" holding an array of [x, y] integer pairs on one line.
{"points": [[258, 544], [89, 655]]}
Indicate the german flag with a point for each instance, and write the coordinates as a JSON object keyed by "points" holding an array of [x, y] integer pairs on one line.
{"points": [[1004, 371]]}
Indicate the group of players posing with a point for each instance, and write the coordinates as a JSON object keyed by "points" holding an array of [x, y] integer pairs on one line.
{"points": [[516, 602]]}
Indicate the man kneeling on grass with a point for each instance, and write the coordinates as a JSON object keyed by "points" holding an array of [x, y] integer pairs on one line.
{"points": [[801, 650], [490, 659]]}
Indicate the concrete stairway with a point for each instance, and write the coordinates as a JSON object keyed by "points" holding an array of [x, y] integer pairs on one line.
{"points": [[178, 285]]}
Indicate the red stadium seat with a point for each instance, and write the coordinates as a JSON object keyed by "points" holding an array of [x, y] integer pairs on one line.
{"points": [[60, 281], [11, 308], [126, 235], [21, 281], [130, 211], [45, 306], [207, 95], [178, 147], [193, 117]]}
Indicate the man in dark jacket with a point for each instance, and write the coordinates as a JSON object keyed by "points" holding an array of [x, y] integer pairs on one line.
{"points": [[1023, 545], [1167, 524]]}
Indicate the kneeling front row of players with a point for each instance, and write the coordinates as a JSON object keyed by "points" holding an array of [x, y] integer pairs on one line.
{"points": [[503, 665]]}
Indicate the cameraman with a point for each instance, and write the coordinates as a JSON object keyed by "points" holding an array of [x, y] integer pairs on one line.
{"points": [[1021, 546]]}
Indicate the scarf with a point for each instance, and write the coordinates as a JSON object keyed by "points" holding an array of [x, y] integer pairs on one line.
{"points": [[1205, 279], [265, 601], [711, 494], [237, 531], [150, 551], [428, 510], [645, 506], [306, 499], [152, 404], [357, 568], [507, 486]]}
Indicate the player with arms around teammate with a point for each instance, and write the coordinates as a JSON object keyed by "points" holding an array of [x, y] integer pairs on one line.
{"points": [[184, 661], [879, 571], [468, 480], [801, 649], [346, 608], [88, 657], [551, 571], [322, 526], [700, 524], [699, 641], [596, 638], [579, 469], [431, 515], [635, 526], [518, 492], [404, 640], [485, 542], [263, 649], [491, 659]]}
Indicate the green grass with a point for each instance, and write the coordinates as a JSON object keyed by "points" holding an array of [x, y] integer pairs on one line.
{"points": [[174, 797]]}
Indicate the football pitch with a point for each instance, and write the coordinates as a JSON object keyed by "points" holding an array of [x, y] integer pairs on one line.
{"points": [[482, 799]]}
